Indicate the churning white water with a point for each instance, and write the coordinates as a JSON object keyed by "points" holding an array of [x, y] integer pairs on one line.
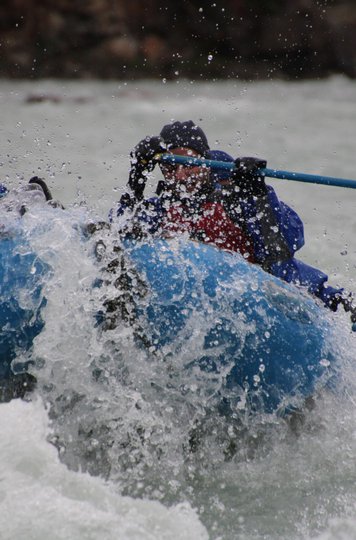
{"points": [[100, 452]]}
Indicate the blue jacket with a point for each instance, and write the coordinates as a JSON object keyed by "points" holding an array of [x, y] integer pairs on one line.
{"points": [[290, 228]]}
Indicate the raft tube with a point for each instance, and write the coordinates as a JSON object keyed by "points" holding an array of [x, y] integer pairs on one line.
{"points": [[21, 277], [253, 339], [267, 342]]}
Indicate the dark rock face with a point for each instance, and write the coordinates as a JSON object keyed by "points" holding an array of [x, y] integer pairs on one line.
{"points": [[244, 39]]}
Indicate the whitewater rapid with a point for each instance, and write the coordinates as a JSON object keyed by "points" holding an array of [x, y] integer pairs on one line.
{"points": [[105, 457]]}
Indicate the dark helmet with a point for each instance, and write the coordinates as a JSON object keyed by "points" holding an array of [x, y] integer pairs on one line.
{"points": [[185, 135]]}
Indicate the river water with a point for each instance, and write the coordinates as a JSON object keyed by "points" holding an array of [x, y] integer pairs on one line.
{"points": [[124, 474]]}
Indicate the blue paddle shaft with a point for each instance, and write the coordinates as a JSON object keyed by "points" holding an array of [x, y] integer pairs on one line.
{"points": [[271, 173]]}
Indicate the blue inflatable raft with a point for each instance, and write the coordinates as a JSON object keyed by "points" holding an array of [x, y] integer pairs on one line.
{"points": [[259, 341], [21, 276], [267, 343]]}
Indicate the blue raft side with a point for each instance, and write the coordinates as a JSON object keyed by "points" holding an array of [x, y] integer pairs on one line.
{"points": [[288, 339], [287, 354], [21, 277]]}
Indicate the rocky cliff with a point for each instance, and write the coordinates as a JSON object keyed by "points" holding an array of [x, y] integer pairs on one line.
{"points": [[247, 39]]}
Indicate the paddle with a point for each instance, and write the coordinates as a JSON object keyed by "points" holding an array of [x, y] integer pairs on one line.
{"points": [[271, 173]]}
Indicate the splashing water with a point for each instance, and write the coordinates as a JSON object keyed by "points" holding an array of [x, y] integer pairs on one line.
{"points": [[133, 422], [137, 419]]}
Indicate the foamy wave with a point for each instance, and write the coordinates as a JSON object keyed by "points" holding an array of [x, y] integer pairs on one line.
{"points": [[40, 498]]}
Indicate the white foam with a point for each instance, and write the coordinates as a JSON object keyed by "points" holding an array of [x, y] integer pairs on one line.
{"points": [[40, 498]]}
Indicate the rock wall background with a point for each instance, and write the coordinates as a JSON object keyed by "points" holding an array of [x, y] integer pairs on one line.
{"points": [[201, 39]]}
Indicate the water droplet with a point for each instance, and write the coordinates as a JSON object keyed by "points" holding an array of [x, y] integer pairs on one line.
{"points": [[324, 362], [256, 379]]}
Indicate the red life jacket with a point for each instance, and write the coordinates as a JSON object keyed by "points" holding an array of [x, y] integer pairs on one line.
{"points": [[211, 225]]}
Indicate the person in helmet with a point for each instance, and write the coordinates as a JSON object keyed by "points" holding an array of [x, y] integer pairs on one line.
{"points": [[236, 210]]}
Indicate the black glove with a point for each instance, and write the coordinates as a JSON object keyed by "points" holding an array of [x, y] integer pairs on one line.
{"points": [[249, 182], [143, 161]]}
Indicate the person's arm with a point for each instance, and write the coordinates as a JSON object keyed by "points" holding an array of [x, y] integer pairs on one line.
{"points": [[142, 162], [276, 231], [316, 282]]}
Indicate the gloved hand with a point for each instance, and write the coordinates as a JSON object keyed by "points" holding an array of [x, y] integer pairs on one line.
{"points": [[143, 161], [246, 178]]}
